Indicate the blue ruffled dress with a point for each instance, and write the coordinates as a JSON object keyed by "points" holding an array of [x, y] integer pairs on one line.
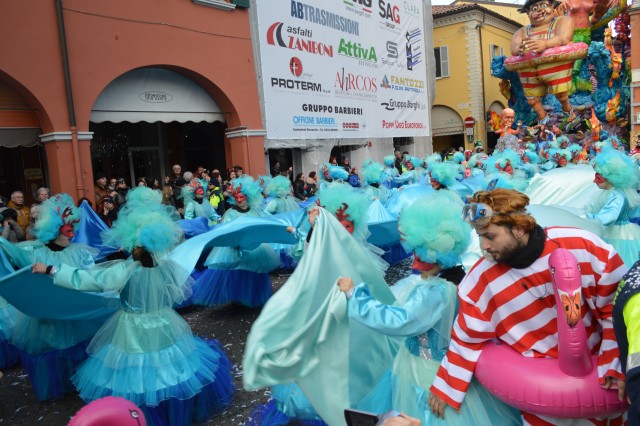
{"points": [[283, 205], [9, 354], [146, 352], [194, 209], [235, 275], [424, 317], [50, 350], [288, 404], [615, 215]]}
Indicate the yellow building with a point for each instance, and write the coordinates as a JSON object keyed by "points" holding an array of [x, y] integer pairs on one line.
{"points": [[466, 36]]}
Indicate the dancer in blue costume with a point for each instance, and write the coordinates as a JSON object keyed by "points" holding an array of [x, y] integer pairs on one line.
{"points": [[414, 171], [279, 189], [442, 178], [146, 352], [424, 315], [9, 354], [195, 205], [390, 172], [234, 275], [373, 174], [289, 403], [350, 206], [281, 200], [50, 350], [618, 176]]}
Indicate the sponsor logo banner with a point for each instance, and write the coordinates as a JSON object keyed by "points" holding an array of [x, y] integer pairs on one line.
{"points": [[342, 68]]}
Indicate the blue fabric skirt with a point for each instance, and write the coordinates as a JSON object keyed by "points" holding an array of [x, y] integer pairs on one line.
{"points": [[289, 404], [261, 259], [50, 372], [406, 389], [191, 386], [270, 415], [625, 239], [216, 287], [9, 354], [287, 261], [394, 253]]}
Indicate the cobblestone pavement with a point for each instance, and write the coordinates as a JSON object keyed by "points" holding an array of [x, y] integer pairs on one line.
{"points": [[229, 324]]}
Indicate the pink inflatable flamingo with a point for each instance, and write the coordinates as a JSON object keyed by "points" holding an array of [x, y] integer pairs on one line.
{"points": [[109, 411], [567, 387]]}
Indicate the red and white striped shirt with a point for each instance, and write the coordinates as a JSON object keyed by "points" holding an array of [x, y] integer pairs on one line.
{"points": [[517, 306]]}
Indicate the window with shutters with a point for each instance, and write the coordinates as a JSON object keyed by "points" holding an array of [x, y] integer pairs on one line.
{"points": [[495, 50], [442, 61]]}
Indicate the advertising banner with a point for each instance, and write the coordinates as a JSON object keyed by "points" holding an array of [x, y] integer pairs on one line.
{"points": [[343, 68]]}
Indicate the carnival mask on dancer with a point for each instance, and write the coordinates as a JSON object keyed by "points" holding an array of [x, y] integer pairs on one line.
{"points": [[67, 230]]}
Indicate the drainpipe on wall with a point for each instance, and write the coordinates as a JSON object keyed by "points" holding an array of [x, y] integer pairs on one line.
{"points": [[75, 148], [483, 114]]}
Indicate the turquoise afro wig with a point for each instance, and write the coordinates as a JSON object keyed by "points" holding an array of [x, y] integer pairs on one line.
{"points": [[499, 160], [557, 154], [444, 173], [263, 181], [372, 173], [367, 162], [342, 200], [143, 198], [279, 186], [434, 229], [458, 157], [504, 180], [324, 171], [529, 170], [144, 222], [619, 169], [250, 188], [338, 173], [531, 156], [433, 159], [389, 160], [56, 211], [562, 142], [576, 151], [415, 161], [477, 162], [187, 193]]}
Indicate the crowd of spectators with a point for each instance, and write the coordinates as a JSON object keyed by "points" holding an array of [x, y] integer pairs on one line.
{"points": [[17, 219]]}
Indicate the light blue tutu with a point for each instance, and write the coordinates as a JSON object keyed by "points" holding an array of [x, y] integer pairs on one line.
{"points": [[50, 350], [147, 354], [9, 354]]}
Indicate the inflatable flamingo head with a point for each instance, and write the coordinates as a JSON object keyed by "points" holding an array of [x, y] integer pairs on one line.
{"points": [[107, 411], [565, 271]]}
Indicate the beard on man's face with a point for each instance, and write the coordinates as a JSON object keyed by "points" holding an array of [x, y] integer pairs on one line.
{"points": [[506, 253]]}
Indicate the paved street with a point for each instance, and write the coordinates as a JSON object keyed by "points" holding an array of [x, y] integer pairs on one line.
{"points": [[229, 324]]}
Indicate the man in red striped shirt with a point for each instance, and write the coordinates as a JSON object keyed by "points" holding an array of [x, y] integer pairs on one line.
{"points": [[508, 295]]}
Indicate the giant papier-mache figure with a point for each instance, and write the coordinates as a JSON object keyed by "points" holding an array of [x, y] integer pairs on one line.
{"points": [[544, 54], [569, 52]]}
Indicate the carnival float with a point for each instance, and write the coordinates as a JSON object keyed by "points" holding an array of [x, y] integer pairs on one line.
{"points": [[597, 58]]}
